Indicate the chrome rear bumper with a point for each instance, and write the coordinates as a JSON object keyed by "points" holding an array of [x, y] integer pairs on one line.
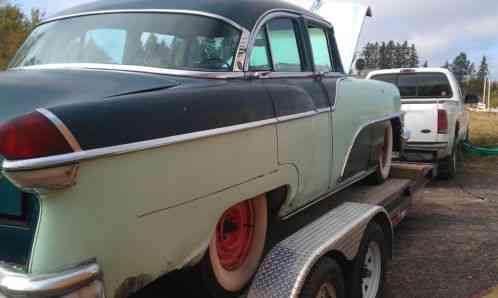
{"points": [[426, 146], [82, 281]]}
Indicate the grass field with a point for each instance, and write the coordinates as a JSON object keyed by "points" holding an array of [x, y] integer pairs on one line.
{"points": [[484, 129]]}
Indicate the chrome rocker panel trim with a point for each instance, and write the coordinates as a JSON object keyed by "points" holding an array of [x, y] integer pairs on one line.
{"points": [[284, 270], [24, 285]]}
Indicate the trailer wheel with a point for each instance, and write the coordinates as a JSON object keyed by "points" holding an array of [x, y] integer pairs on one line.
{"points": [[369, 267], [385, 156], [324, 281], [236, 248]]}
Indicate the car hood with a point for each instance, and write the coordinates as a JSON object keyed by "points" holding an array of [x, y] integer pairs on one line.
{"points": [[23, 91], [347, 18]]}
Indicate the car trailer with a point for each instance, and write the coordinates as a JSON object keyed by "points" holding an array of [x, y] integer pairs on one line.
{"points": [[343, 251]]}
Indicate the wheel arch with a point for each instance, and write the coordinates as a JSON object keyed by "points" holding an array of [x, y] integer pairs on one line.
{"points": [[385, 223], [397, 125]]}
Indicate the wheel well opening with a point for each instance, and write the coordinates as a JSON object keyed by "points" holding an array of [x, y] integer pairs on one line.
{"points": [[276, 199], [397, 133], [385, 223]]}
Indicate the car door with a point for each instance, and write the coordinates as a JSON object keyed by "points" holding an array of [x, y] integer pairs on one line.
{"points": [[301, 104]]}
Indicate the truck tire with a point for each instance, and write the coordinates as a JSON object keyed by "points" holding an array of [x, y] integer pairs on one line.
{"points": [[369, 267], [447, 167], [384, 158], [236, 248], [325, 280]]}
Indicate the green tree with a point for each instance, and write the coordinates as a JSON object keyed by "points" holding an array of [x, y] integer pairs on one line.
{"points": [[413, 60], [14, 28], [483, 71], [461, 67]]}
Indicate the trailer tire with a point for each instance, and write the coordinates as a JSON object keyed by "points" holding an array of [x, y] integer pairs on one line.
{"points": [[234, 256], [324, 280], [369, 267]]}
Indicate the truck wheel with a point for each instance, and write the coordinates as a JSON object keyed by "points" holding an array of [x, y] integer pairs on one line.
{"points": [[385, 156], [324, 281], [369, 267], [236, 248], [447, 167]]}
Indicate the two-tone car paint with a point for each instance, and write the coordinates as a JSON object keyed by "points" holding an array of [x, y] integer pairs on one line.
{"points": [[163, 156]]}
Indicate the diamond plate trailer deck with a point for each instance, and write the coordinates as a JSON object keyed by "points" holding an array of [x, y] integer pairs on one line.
{"points": [[336, 229]]}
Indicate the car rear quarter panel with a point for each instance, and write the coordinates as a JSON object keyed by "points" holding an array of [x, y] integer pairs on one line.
{"points": [[358, 103], [153, 211]]}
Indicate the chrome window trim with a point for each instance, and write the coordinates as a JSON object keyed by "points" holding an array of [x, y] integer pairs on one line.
{"points": [[324, 110], [64, 159], [140, 69], [358, 131], [272, 14], [240, 54], [66, 133]]}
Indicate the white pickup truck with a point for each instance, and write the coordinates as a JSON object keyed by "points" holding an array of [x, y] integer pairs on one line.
{"points": [[435, 114]]}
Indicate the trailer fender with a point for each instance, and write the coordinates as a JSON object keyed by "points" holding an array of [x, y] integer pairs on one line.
{"points": [[284, 270]]}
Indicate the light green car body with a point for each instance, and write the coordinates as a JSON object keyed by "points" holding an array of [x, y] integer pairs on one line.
{"points": [[154, 211]]}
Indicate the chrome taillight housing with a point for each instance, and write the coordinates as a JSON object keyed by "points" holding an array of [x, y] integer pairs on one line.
{"points": [[34, 136]]}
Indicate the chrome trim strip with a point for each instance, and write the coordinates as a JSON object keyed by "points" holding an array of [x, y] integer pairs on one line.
{"points": [[68, 135], [63, 159], [324, 110], [58, 160], [296, 116], [177, 11], [16, 284], [359, 130], [347, 183], [133, 68]]}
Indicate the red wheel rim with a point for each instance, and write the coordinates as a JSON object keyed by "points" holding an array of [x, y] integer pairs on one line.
{"points": [[234, 235]]}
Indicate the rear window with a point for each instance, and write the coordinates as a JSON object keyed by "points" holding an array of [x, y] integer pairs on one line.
{"points": [[420, 85]]}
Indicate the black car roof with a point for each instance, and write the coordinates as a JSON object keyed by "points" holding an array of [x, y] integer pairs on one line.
{"points": [[244, 12]]}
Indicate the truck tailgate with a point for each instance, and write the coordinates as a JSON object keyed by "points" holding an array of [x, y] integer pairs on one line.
{"points": [[421, 120]]}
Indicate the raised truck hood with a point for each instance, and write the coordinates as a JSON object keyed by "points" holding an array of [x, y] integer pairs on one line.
{"points": [[347, 18]]}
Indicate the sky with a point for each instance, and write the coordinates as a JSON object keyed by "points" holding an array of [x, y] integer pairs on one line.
{"points": [[441, 29]]}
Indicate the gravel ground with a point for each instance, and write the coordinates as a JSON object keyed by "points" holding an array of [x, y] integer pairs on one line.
{"points": [[448, 244]]}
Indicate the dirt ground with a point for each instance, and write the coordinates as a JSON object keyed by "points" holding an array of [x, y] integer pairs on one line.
{"points": [[448, 244]]}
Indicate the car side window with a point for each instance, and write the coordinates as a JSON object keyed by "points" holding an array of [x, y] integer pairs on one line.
{"points": [[320, 49], [284, 45], [260, 55]]}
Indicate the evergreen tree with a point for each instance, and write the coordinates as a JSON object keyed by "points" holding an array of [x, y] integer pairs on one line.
{"points": [[413, 60], [426, 64], [461, 67], [390, 55], [383, 56], [405, 52], [483, 71]]}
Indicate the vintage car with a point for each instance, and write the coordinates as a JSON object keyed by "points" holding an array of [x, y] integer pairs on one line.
{"points": [[141, 137]]}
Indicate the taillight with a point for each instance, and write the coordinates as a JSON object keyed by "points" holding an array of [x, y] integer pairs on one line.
{"points": [[31, 136], [442, 122]]}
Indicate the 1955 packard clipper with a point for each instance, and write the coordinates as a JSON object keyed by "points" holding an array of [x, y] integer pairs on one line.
{"points": [[139, 137]]}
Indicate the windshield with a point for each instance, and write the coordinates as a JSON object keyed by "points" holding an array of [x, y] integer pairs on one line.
{"points": [[421, 85], [173, 41]]}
